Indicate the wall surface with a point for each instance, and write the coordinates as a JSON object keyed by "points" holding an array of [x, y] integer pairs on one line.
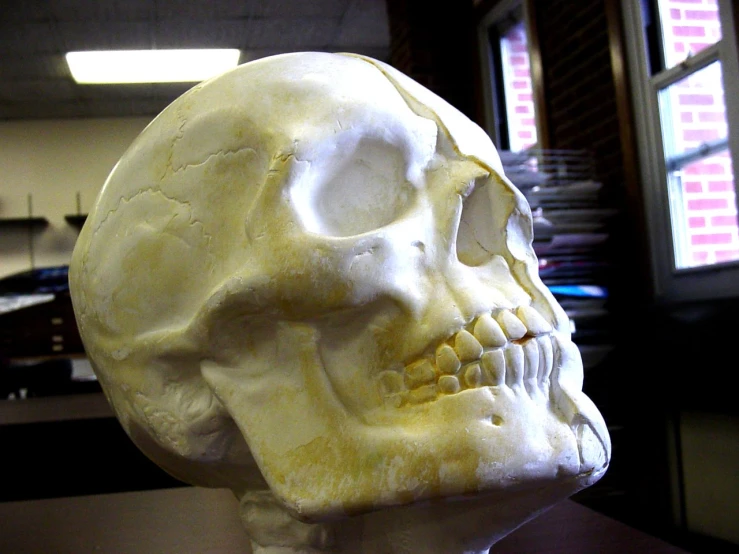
{"points": [[53, 161]]}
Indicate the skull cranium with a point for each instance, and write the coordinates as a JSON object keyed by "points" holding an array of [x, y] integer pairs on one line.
{"points": [[314, 264]]}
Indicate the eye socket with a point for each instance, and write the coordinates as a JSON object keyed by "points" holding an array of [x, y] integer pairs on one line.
{"points": [[355, 193], [475, 240]]}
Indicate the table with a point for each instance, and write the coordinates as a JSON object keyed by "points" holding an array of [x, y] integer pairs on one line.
{"points": [[193, 520]]}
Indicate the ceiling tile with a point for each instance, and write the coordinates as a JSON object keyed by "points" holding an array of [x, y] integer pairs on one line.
{"points": [[105, 35], [365, 24], [17, 38], [102, 10], [201, 34], [294, 33], [25, 11], [200, 10], [291, 8], [35, 34]]}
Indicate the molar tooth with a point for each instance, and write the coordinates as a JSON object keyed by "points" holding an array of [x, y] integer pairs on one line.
{"points": [[426, 393], [511, 325], [514, 365], [467, 347], [448, 384], [533, 320], [473, 376], [391, 382], [488, 332], [446, 359], [419, 373], [394, 400], [493, 363], [546, 359]]}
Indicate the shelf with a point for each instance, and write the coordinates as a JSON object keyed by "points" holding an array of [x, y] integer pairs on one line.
{"points": [[76, 220], [24, 222], [55, 408]]}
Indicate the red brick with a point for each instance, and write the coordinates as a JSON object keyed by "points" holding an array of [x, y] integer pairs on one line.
{"points": [[724, 221], [702, 15], [708, 204], [696, 47], [714, 238], [693, 186], [727, 255], [688, 31], [701, 135], [696, 222], [700, 257], [696, 99], [712, 116], [705, 169], [720, 186]]}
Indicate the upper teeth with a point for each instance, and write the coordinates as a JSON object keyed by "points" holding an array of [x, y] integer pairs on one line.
{"points": [[496, 348]]}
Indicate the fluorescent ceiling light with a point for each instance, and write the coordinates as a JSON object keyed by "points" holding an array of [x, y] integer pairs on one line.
{"points": [[150, 66]]}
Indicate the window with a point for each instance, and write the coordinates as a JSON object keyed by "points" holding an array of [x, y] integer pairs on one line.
{"points": [[510, 113], [685, 79]]}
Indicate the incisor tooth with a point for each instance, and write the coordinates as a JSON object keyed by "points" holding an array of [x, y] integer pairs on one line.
{"points": [[419, 373], [511, 325], [514, 365], [493, 364], [448, 384], [533, 320], [446, 359], [531, 357], [546, 358], [531, 365], [467, 347], [488, 332]]}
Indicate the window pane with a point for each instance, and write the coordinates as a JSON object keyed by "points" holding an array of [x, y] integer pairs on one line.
{"points": [[700, 173], [519, 100], [693, 111], [688, 26], [703, 210]]}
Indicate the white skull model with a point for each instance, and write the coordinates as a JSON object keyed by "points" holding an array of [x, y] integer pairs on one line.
{"points": [[308, 280]]}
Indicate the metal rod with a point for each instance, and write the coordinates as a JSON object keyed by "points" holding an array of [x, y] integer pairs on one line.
{"points": [[30, 233], [703, 151]]}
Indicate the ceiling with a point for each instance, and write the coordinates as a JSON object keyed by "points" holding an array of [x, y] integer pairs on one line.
{"points": [[35, 82]]}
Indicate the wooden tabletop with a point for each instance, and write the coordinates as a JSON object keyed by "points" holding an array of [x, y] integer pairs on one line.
{"points": [[193, 520]]}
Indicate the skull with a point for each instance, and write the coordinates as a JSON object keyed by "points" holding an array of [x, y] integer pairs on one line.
{"points": [[310, 274]]}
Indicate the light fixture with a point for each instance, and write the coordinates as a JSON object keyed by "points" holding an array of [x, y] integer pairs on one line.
{"points": [[150, 66]]}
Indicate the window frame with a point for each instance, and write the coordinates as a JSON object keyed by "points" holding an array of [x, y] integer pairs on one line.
{"points": [[494, 116], [672, 285]]}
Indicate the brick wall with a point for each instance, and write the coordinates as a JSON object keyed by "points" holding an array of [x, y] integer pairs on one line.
{"points": [[579, 90], [434, 43]]}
